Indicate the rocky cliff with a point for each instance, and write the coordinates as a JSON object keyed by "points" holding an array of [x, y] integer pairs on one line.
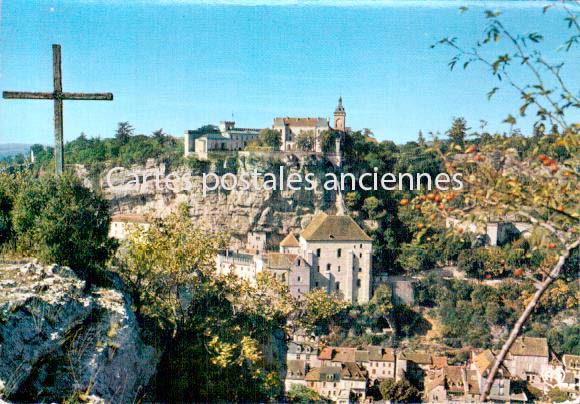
{"points": [[58, 340], [142, 190]]}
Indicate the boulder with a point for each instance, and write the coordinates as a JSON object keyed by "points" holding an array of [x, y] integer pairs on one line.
{"points": [[58, 340]]}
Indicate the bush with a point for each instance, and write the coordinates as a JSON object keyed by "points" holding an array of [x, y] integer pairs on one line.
{"points": [[58, 220], [400, 392]]}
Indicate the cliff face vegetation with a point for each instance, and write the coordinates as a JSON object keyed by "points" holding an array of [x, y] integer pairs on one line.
{"points": [[58, 340]]}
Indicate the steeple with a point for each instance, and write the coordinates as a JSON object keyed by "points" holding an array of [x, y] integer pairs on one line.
{"points": [[340, 116]]}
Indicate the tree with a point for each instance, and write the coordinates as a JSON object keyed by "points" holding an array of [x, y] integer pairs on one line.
{"points": [[458, 131], [541, 85], [271, 138], [499, 182], [317, 310], [380, 306], [124, 132], [59, 220], [421, 139], [212, 327], [9, 184], [372, 206], [305, 140], [352, 200], [557, 396], [302, 394], [326, 139], [159, 136], [401, 391]]}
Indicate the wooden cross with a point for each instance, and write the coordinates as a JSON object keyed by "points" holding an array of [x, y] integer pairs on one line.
{"points": [[58, 96]]}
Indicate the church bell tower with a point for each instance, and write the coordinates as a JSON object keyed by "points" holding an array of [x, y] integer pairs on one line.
{"points": [[340, 117]]}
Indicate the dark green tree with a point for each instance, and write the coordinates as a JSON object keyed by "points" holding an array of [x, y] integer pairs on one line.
{"points": [[458, 131], [271, 138], [401, 391], [124, 132], [59, 220]]}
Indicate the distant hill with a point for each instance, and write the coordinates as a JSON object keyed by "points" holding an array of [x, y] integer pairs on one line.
{"points": [[13, 149]]}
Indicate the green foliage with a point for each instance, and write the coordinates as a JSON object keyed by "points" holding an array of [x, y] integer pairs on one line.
{"points": [[401, 391], [122, 150], [318, 310], [417, 257], [9, 185], [458, 131], [124, 132], [372, 206], [565, 340], [557, 396], [59, 220], [302, 394], [197, 166], [212, 327], [305, 141], [271, 138], [327, 141], [468, 311]]}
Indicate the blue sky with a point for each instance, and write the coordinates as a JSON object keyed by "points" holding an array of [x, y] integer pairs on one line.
{"points": [[179, 64]]}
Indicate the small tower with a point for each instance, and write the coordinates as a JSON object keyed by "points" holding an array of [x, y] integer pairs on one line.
{"points": [[340, 117]]}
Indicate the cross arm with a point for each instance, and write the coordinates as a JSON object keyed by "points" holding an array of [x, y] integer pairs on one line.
{"points": [[88, 96], [25, 95]]}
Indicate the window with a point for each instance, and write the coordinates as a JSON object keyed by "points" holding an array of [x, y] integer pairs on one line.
{"points": [[339, 268], [360, 255], [316, 284], [317, 268], [298, 357], [358, 283], [337, 285], [318, 252], [339, 252], [298, 279], [298, 262], [361, 246], [359, 269], [328, 267]]}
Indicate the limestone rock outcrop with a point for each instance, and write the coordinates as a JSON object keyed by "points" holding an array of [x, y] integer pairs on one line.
{"points": [[142, 190], [58, 340]]}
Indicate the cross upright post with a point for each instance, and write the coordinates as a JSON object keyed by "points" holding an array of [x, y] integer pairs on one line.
{"points": [[58, 96]]}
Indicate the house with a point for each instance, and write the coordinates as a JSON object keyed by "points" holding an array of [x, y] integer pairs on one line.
{"points": [[526, 358], [501, 390], [304, 351], [382, 363], [418, 364], [296, 371], [563, 375], [451, 384], [332, 253], [122, 224], [342, 384]]}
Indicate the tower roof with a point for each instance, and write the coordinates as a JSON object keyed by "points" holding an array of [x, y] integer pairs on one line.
{"points": [[339, 107], [333, 228]]}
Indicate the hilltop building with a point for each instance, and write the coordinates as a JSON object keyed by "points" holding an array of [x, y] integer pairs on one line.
{"points": [[332, 253], [228, 137]]}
